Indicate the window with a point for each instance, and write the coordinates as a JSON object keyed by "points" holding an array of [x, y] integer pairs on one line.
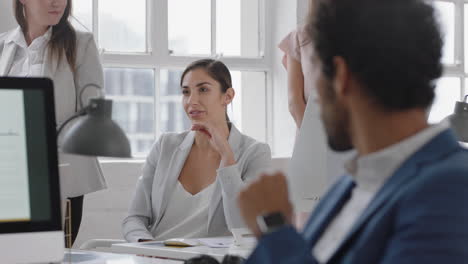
{"points": [[452, 86], [447, 92], [146, 44], [122, 25], [226, 28], [132, 91]]}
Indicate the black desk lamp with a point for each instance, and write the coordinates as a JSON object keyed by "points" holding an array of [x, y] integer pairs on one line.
{"points": [[95, 134], [459, 120]]}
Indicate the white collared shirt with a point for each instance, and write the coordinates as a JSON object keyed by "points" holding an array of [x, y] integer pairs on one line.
{"points": [[370, 172], [29, 60]]}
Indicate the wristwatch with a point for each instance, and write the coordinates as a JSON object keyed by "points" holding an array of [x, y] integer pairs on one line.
{"points": [[271, 222]]}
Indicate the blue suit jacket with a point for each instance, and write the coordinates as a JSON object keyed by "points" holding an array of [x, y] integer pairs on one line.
{"points": [[420, 215]]}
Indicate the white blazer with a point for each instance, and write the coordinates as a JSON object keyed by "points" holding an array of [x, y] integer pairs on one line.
{"points": [[79, 175], [161, 173]]}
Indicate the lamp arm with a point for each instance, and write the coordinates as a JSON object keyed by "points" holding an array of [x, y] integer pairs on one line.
{"points": [[82, 112], [98, 88]]}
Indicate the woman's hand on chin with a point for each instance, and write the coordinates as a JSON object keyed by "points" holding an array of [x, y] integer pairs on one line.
{"points": [[201, 128], [218, 140]]}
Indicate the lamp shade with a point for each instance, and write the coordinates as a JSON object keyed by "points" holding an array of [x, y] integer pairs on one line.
{"points": [[95, 134], [459, 121]]}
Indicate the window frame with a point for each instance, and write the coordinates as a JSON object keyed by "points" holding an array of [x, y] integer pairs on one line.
{"points": [[457, 69], [157, 57]]}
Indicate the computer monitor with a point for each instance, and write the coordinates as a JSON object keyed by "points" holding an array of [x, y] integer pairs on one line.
{"points": [[30, 216]]}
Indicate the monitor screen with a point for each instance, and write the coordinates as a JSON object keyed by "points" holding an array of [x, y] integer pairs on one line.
{"points": [[29, 184]]}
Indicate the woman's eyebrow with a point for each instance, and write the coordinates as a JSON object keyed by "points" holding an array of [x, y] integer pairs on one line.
{"points": [[197, 85], [203, 83]]}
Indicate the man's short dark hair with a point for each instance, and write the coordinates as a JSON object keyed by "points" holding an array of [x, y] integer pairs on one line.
{"points": [[393, 47]]}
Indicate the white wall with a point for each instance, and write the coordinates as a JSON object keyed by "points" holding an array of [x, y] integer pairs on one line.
{"points": [[284, 129], [302, 9], [7, 21], [288, 14], [104, 210]]}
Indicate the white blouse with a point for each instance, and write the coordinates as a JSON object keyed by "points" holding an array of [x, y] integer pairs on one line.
{"points": [[186, 215], [29, 60], [83, 175], [160, 175]]}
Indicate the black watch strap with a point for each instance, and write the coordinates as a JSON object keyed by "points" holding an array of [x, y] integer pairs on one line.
{"points": [[271, 222]]}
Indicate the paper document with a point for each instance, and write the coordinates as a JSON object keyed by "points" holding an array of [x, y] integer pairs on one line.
{"points": [[14, 180], [212, 242], [217, 242]]}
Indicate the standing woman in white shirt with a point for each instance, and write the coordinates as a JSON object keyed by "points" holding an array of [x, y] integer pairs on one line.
{"points": [[46, 45], [191, 180]]}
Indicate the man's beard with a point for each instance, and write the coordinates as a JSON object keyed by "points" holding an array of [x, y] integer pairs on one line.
{"points": [[340, 143], [336, 123]]}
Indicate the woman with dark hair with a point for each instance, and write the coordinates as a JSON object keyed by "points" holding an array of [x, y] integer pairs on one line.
{"points": [[190, 180], [46, 45]]}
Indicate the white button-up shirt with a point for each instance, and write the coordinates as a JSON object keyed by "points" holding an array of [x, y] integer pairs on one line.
{"points": [[370, 172], [29, 60]]}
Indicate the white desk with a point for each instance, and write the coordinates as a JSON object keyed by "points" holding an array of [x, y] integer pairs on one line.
{"points": [[157, 249], [90, 257]]}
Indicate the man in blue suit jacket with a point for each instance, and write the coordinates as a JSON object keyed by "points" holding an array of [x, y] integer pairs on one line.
{"points": [[404, 198]]}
